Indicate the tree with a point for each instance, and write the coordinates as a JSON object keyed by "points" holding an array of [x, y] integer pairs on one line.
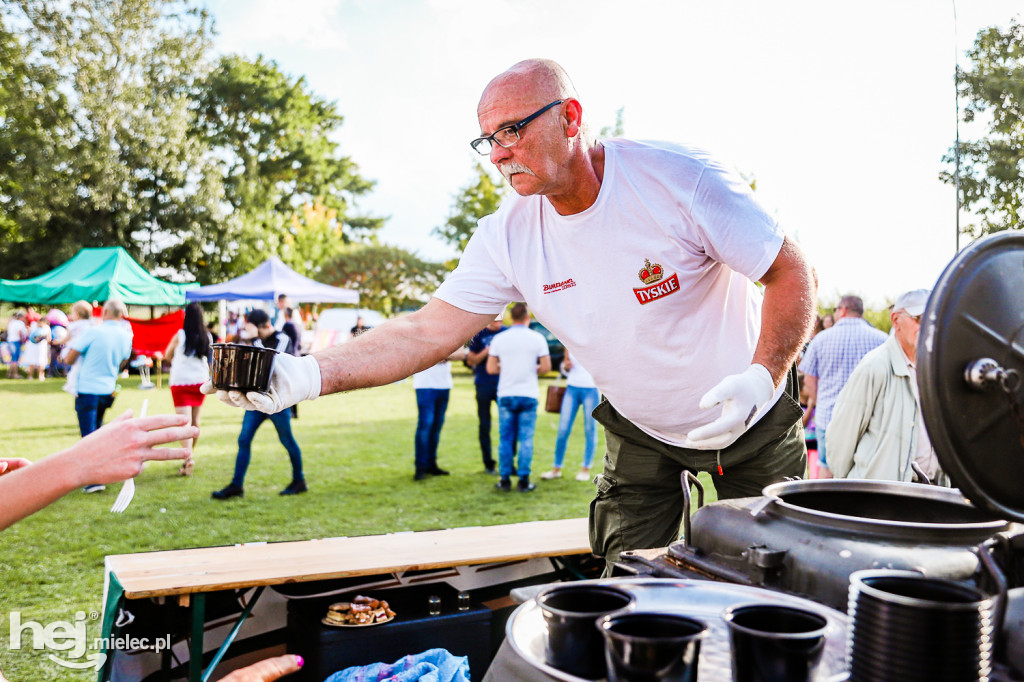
{"points": [[274, 137], [32, 113], [119, 166], [114, 130], [991, 174], [480, 197], [313, 238], [388, 278]]}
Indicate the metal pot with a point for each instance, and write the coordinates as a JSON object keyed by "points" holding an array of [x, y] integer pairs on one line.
{"points": [[807, 537]]}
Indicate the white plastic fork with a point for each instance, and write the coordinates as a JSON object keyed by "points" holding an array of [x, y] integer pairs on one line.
{"points": [[124, 498]]}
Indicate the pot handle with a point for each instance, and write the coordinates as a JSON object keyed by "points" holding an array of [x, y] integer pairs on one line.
{"points": [[686, 479], [988, 564], [919, 472]]}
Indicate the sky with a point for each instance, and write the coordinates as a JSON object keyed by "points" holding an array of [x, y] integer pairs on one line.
{"points": [[840, 111]]}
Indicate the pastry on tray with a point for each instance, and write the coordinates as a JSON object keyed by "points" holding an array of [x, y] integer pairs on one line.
{"points": [[360, 611]]}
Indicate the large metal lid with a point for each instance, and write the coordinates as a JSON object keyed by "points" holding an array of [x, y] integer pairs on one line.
{"points": [[970, 364]]}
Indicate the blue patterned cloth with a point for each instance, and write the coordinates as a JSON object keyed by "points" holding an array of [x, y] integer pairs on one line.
{"points": [[433, 665], [831, 357]]}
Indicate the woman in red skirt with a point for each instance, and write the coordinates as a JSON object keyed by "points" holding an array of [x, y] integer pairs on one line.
{"points": [[189, 353]]}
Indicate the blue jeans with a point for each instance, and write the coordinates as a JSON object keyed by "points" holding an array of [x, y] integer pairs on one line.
{"points": [[574, 397], [517, 420], [431, 403], [282, 421], [90, 409], [485, 395]]}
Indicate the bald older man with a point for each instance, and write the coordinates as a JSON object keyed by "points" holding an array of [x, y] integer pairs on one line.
{"points": [[642, 258]]}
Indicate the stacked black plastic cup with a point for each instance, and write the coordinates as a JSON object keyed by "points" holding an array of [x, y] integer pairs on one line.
{"points": [[905, 626]]}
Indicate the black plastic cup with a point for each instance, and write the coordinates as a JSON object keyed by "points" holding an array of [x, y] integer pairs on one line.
{"points": [[651, 647], [775, 643], [574, 645], [241, 368]]}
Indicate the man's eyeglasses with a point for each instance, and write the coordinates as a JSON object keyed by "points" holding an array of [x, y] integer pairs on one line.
{"points": [[507, 136], [915, 318]]}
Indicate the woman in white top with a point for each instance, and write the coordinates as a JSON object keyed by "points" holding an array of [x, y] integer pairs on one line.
{"points": [[189, 352], [579, 390]]}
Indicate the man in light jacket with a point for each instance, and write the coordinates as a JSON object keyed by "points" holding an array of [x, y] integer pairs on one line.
{"points": [[877, 430]]}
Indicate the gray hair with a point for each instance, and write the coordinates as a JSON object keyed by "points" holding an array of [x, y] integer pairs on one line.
{"points": [[115, 309], [853, 304]]}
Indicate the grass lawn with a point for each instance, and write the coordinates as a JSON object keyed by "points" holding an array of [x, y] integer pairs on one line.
{"points": [[358, 457]]}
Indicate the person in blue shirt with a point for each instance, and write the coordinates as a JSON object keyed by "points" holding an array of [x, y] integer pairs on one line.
{"points": [[105, 350], [486, 387]]}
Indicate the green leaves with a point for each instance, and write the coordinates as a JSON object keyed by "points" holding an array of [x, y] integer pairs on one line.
{"points": [[991, 174], [273, 137], [115, 129], [480, 197], [388, 278]]}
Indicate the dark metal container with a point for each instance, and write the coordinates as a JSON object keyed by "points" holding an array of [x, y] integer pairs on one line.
{"points": [[241, 368], [807, 537]]}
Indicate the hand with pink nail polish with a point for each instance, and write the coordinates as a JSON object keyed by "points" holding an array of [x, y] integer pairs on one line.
{"points": [[267, 670]]}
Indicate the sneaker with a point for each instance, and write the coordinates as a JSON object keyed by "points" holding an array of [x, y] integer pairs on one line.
{"points": [[549, 475], [524, 485], [437, 471], [420, 476], [490, 470], [504, 485], [94, 488], [295, 488], [228, 492], [583, 477]]}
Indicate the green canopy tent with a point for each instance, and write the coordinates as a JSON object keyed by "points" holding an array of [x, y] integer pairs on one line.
{"points": [[96, 275]]}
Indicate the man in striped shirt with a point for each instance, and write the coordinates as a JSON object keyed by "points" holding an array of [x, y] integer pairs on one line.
{"points": [[829, 360]]}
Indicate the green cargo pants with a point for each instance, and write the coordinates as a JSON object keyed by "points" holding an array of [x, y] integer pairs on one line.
{"points": [[639, 502]]}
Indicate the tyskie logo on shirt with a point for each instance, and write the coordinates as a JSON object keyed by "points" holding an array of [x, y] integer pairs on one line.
{"points": [[651, 274]]}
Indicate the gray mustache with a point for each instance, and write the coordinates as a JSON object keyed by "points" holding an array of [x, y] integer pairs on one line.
{"points": [[508, 169]]}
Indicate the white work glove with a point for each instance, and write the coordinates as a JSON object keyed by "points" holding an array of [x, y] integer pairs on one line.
{"points": [[292, 380], [741, 396]]}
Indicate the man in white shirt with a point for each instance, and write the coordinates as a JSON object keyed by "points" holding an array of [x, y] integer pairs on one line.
{"points": [[642, 258], [517, 356], [17, 336]]}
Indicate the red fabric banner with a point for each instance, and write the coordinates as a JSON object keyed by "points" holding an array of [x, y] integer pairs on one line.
{"points": [[152, 336]]}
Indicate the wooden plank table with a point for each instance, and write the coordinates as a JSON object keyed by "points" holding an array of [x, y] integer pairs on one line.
{"points": [[190, 573]]}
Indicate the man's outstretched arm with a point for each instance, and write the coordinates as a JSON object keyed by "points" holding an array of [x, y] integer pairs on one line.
{"points": [[389, 352], [398, 348]]}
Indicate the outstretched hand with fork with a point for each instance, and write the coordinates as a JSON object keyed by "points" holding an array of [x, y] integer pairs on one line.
{"points": [[115, 452]]}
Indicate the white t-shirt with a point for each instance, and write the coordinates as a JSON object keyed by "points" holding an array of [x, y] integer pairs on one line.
{"points": [[187, 370], [517, 349], [439, 377], [16, 330], [652, 286], [578, 375]]}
